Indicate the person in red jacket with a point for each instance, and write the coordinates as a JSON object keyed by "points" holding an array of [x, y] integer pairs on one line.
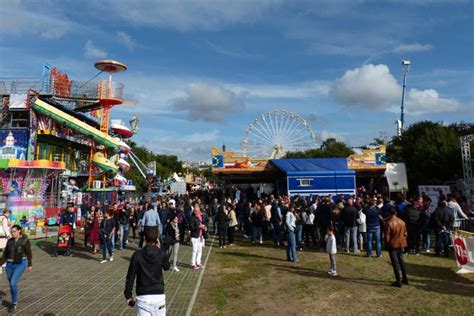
{"points": [[396, 240]]}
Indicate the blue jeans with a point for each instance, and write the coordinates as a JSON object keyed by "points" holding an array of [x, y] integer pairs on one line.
{"points": [[14, 272], [299, 235], [291, 248], [107, 246], [426, 238], [123, 232], [256, 233], [370, 232], [112, 241], [351, 233]]}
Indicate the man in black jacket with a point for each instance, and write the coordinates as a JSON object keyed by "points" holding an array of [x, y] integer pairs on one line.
{"points": [[412, 220], [146, 265], [349, 216], [323, 216], [442, 222]]}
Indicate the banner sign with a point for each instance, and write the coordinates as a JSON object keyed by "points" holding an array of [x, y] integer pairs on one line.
{"points": [[434, 192], [464, 250]]}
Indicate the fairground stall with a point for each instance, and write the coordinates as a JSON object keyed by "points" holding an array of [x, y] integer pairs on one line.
{"points": [[59, 145], [360, 173]]}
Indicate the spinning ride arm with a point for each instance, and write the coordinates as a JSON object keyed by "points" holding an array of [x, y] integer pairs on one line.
{"points": [[132, 158]]}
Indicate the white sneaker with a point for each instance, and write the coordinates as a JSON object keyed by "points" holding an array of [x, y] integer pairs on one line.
{"points": [[111, 259], [428, 251], [261, 242], [176, 269], [103, 261]]}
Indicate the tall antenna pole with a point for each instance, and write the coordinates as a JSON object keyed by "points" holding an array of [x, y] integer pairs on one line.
{"points": [[405, 69]]}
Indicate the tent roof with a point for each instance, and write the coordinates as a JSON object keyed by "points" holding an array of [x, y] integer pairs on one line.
{"points": [[313, 166]]}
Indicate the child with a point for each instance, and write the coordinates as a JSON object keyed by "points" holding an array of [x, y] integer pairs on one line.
{"points": [[331, 249], [63, 238]]}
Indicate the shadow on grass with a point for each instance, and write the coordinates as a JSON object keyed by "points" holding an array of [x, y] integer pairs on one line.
{"points": [[441, 280], [249, 255], [324, 275]]}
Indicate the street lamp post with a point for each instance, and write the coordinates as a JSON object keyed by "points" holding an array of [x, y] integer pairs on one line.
{"points": [[405, 69]]}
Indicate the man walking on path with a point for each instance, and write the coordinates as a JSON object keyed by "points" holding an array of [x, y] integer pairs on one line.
{"points": [[146, 266], [151, 218], [396, 240]]}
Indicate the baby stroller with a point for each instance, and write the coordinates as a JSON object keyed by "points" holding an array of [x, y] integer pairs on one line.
{"points": [[63, 245]]}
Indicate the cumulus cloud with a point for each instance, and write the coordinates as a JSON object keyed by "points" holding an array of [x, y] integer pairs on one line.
{"points": [[208, 103], [126, 40], [370, 86], [412, 48], [324, 135], [92, 51], [373, 87], [426, 101]]}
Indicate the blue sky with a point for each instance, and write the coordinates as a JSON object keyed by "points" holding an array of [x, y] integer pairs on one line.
{"points": [[202, 71]]}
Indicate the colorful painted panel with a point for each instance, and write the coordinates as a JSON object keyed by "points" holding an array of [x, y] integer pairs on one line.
{"points": [[368, 159], [14, 144]]}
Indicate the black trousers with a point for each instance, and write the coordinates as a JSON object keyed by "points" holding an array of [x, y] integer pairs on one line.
{"points": [[222, 235], [230, 234], [398, 263], [86, 239], [322, 233], [414, 237], [309, 231]]}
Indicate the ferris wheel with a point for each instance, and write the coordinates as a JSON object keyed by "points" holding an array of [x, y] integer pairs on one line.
{"points": [[275, 133]]}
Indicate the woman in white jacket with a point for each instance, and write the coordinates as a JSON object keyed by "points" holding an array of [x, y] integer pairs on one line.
{"points": [[361, 229], [4, 229]]}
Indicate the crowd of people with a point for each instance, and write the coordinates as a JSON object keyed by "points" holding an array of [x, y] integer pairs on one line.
{"points": [[158, 226]]}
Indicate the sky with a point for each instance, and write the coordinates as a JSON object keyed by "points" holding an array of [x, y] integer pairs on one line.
{"points": [[202, 71]]}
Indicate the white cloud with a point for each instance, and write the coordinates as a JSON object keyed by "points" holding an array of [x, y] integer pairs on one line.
{"points": [[93, 52], [370, 86], [324, 135], [429, 101], [193, 147], [412, 48], [300, 90], [314, 119], [208, 102], [16, 18], [189, 15], [126, 40]]}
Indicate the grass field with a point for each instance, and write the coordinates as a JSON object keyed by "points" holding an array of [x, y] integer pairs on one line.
{"points": [[257, 280]]}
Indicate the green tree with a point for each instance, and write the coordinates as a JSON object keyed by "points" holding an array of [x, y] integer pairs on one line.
{"points": [[165, 166], [330, 148], [430, 151]]}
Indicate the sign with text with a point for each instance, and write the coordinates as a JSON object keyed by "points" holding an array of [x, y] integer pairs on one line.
{"points": [[434, 192], [464, 250]]}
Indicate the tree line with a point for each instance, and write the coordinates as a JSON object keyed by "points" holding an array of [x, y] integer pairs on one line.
{"points": [[431, 151]]}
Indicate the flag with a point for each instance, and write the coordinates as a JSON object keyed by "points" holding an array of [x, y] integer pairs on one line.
{"points": [[380, 159], [218, 161]]}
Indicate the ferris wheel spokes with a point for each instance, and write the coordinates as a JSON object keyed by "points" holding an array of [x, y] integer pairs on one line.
{"points": [[273, 134]]}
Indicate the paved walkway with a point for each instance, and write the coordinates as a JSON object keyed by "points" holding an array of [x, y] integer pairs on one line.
{"points": [[80, 285]]}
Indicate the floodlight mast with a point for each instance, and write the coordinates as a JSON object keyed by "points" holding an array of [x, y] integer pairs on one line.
{"points": [[405, 69]]}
